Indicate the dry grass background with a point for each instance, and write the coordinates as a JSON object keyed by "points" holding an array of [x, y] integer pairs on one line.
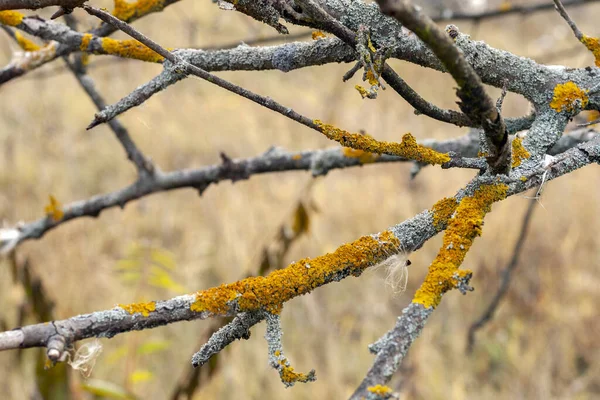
{"points": [[542, 343]]}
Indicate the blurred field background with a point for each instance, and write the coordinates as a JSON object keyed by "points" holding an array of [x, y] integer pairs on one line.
{"points": [[542, 344]]}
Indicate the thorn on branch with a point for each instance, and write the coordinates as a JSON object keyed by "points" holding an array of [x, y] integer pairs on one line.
{"points": [[61, 11], [232, 169]]}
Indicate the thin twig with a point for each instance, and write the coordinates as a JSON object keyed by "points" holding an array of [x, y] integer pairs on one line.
{"points": [[142, 164], [186, 67], [388, 74], [488, 314], [563, 13], [319, 162]]}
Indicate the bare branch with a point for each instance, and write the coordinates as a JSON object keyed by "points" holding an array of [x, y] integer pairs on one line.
{"points": [[563, 13], [311, 273], [36, 4], [524, 9], [237, 329], [393, 347], [319, 162], [144, 165]]}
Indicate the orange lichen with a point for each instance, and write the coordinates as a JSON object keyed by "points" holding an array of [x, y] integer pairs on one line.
{"points": [[442, 211], [568, 96], [505, 6], [408, 148], [316, 35], [270, 292], [519, 153], [143, 308], [85, 59], [297, 157], [363, 156], [85, 41], [126, 11], [54, 209], [381, 391], [593, 45], [363, 92], [371, 78], [288, 376], [370, 44], [11, 18], [26, 44], [462, 230], [130, 49]]}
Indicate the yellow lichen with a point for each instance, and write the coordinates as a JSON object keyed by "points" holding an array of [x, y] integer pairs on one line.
{"points": [[363, 92], [363, 156], [85, 41], [126, 11], [25, 43], [143, 308], [408, 148], [11, 18], [568, 96], [519, 153], [370, 45], [371, 78], [288, 375], [85, 59], [462, 230], [130, 49], [54, 209], [523, 179], [593, 45], [442, 211], [380, 390], [316, 35], [505, 6], [270, 292]]}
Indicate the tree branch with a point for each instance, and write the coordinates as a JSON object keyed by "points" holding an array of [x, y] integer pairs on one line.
{"points": [[143, 165], [475, 103], [37, 4]]}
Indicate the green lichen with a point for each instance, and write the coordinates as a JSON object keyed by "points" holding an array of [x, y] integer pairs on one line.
{"points": [[568, 97], [519, 153], [143, 308], [270, 292], [408, 148], [462, 230]]}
